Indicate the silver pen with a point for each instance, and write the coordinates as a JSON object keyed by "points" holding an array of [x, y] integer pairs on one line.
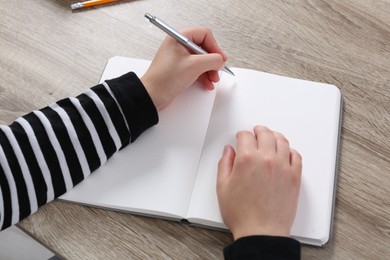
{"points": [[180, 38]]}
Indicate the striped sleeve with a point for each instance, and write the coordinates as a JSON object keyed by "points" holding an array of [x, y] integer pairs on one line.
{"points": [[47, 152]]}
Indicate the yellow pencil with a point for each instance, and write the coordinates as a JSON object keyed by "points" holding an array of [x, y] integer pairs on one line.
{"points": [[90, 3]]}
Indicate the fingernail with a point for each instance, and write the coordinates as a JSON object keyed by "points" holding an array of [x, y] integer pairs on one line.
{"points": [[226, 150]]}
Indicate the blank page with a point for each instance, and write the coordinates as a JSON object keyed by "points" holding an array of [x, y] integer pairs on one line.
{"points": [[156, 173], [307, 113]]}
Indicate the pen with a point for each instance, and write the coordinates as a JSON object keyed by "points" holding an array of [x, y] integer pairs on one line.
{"points": [[90, 3], [180, 37]]}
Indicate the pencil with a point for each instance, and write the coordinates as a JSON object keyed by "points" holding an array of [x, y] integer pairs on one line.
{"points": [[90, 3]]}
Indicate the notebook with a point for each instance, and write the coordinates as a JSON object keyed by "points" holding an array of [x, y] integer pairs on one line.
{"points": [[170, 170]]}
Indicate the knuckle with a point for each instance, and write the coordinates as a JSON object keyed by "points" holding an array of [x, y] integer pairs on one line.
{"points": [[242, 133], [206, 29], [281, 138], [261, 128], [298, 154], [269, 162], [245, 158]]}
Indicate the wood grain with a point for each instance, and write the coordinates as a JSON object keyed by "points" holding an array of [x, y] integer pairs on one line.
{"points": [[48, 52]]}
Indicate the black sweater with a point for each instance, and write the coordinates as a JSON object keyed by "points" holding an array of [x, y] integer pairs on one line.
{"points": [[47, 152]]}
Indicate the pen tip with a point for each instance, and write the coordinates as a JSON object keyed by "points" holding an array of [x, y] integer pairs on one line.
{"points": [[226, 69]]}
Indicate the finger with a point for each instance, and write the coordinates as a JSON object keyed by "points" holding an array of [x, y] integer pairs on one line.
{"points": [[296, 168], [205, 82], [206, 62], [225, 164], [245, 141], [213, 75], [204, 37], [207, 67], [296, 162], [265, 138], [282, 147]]}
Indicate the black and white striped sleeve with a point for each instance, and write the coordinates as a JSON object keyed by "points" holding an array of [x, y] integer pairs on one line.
{"points": [[47, 152]]}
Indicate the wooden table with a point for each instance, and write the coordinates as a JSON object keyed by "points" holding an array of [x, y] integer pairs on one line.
{"points": [[48, 52]]}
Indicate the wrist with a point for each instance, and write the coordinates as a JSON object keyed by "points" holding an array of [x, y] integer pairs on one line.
{"points": [[158, 99], [260, 231]]}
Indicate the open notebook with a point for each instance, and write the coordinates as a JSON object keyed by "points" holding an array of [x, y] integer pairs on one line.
{"points": [[170, 171]]}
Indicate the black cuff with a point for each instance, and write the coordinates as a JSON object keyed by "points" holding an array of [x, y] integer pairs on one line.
{"points": [[136, 103], [263, 247]]}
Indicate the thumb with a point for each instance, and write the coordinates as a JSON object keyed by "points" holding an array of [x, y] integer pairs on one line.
{"points": [[207, 62], [225, 164]]}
